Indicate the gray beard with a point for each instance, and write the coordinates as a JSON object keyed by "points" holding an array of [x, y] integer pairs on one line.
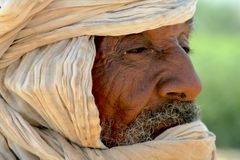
{"points": [[149, 124]]}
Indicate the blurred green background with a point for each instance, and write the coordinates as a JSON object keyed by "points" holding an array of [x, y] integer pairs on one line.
{"points": [[216, 56]]}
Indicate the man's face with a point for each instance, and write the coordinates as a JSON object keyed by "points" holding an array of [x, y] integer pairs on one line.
{"points": [[144, 83]]}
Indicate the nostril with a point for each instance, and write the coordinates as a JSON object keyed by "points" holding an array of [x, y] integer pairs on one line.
{"points": [[177, 95]]}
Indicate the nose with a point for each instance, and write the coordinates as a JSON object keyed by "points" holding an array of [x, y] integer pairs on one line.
{"points": [[186, 90], [182, 82]]}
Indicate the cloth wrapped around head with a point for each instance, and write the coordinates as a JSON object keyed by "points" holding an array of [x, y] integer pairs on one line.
{"points": [[47, 51]]}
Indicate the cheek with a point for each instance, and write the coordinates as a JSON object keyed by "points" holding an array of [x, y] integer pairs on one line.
{"points": [[107, 87], [106, 80], [122, 90]]}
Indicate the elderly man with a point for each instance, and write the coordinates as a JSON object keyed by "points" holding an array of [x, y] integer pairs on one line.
{"points": [[144, 83], [99, 79]]}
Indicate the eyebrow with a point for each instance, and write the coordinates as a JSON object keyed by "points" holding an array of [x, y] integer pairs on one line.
{"points": [[130, 41]]}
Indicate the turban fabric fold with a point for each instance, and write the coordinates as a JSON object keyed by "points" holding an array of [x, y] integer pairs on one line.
{"points": [[47, 50]]}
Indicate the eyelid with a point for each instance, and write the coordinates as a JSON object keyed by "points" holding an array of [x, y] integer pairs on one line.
{"points": [[184, 43], [136, 50], [130, 42]]}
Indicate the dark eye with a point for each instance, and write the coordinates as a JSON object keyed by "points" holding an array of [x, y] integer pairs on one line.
{"points": [[136, 50], [183, 42], [186, 49]]}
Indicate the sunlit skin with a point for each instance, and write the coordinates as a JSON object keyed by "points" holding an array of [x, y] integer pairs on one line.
{"points": [[136, 72]]}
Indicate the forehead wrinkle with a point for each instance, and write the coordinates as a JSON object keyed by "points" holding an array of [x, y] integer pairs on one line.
{"points": [[163, 35], [134, 38]]}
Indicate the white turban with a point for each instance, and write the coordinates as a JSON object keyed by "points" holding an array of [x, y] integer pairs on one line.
{"points": [[47, 50]]}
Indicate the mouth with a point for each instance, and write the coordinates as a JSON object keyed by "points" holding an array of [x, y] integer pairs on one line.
{"points": [[149, 124]]}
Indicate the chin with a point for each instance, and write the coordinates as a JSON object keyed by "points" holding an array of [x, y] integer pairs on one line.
{"points": [[149, 124]]}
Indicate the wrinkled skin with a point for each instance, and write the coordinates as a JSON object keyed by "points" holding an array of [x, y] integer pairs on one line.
{"points": [[140, 72]]}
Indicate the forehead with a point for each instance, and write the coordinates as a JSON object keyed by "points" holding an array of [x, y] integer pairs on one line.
{"points": [[155, 36], [169, 31]]}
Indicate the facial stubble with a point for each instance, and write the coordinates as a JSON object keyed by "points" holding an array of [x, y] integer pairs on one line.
{"points": [[149, 124]]}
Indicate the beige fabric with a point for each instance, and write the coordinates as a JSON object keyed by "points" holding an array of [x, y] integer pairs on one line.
{"points": [[47, 110], [64, 19]]}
